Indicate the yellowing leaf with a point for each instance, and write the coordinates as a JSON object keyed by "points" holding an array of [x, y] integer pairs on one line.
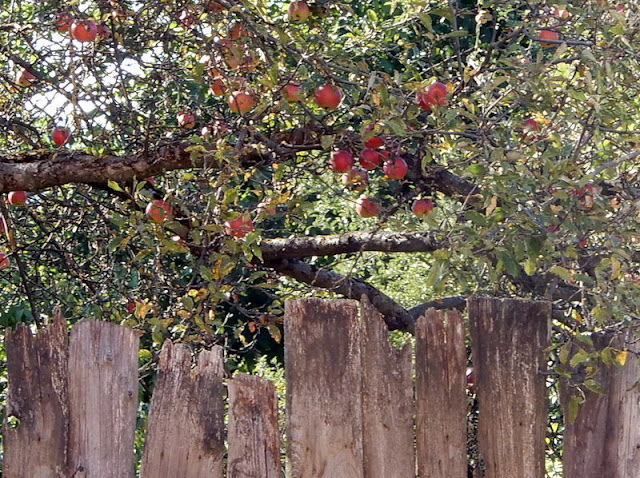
{"points": [[492, 205]]}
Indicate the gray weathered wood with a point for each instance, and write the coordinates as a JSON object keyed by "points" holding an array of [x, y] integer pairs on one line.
{"points": [[508, 339], [604, 439], [185, 428], [441, 423], [103, 397], [387, 401], [322, 358], [37, 397], [254, 438]]}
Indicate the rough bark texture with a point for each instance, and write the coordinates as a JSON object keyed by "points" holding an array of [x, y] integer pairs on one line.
{"points": [[36, 447], [441, 424], [322, 357], [387, 400], [394, 315], [186, 422], [103, 397], [508, 339], [254, 438], [604, 439], [382, 241]]}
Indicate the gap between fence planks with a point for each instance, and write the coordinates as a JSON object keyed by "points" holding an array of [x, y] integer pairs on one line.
{"points": [[186, 420]]}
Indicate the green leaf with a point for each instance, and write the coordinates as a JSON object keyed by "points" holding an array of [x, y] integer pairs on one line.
{"points": [[579, 357], [115, 186], [561, 272], [574, 405]]}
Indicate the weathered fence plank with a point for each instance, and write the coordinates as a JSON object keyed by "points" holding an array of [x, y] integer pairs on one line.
{"points": [[103, 397], [441, 424], [186, 422], [37, 398], [387, 401], [604, 439], [322, 358], [254, 438], [508, 340]]}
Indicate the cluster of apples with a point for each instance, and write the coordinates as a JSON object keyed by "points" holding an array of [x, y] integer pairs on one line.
{"points": [[82, 30]]}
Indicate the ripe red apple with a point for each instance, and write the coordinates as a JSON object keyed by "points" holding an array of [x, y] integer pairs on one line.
{"points": [[130, 305], [241, 102], [422, 207], [395, 169], [218, 87], [299, 11], [373, 142], [367, 206], [341, 161], [24, 78], [158, 210], [548, 35], [18, 198], [84, 30], [60, 135], [63, 22], [186, 120], [4, 260], [434, 95], [327, 96], [370, 159], [292, 92], [239, 227]]}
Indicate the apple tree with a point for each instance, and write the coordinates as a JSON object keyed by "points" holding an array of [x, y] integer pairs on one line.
{"points": [[190, 165]]}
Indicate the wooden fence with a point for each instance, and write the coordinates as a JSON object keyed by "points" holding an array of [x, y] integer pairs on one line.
{"points": [[351, 410]]}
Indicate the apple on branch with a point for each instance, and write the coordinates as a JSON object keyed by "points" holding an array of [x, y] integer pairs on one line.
{"points": [[298, 11], [158, 210], [370, 159], [395, 168], [60, 135], [240, 226], [4, 260], [63, 22], [18, 198], [434, 95], [292, 92], [24, 78], [186, 120], [241, 102], [328, 96], [341, 161], [366, 206], [422, 207], [84, 30]]}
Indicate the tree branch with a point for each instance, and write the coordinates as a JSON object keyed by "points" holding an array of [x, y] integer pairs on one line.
{"points": [[382, 241]]}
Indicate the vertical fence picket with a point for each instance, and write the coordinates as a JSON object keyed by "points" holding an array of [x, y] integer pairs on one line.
{"points": [[254, 438], [185, 427], [103, 397], [604, 438], [322, 369], [441, 424], [508, 340], [36, 420], [387, 401]]}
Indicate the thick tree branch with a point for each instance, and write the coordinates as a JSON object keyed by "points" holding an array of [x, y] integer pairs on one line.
{"points": [[395, 316], [382, 241]]}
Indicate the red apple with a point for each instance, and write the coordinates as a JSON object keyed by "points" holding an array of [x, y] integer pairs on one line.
{"points": [[158, 210], [239, 227], [355, 176], [186, 120], [373, 142], [529, 126], [422, 207], [370, 159], [24, 78], [299, 11], [327, 96], [548, 35], [63, 22], [367, 206], [4, 260], [60, 135], [241, 102], [434, 95], [341, 161], [292, 92], [218, 87], [18, 198], [395, 169], [130, 305], [84, 30]]}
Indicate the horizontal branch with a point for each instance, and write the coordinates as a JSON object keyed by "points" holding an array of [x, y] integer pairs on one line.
{"points": [[395, 316], [383, 241]]}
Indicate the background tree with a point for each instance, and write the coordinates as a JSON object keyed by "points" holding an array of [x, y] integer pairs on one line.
{"points": [[180, 159]]}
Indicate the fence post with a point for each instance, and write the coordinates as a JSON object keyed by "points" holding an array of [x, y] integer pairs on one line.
{"points": [[103, 397], [254, 438], [35, 442], [185, 426], [441, 360], [324, 402], [604, 439], [508, 340], [387, 400]]}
